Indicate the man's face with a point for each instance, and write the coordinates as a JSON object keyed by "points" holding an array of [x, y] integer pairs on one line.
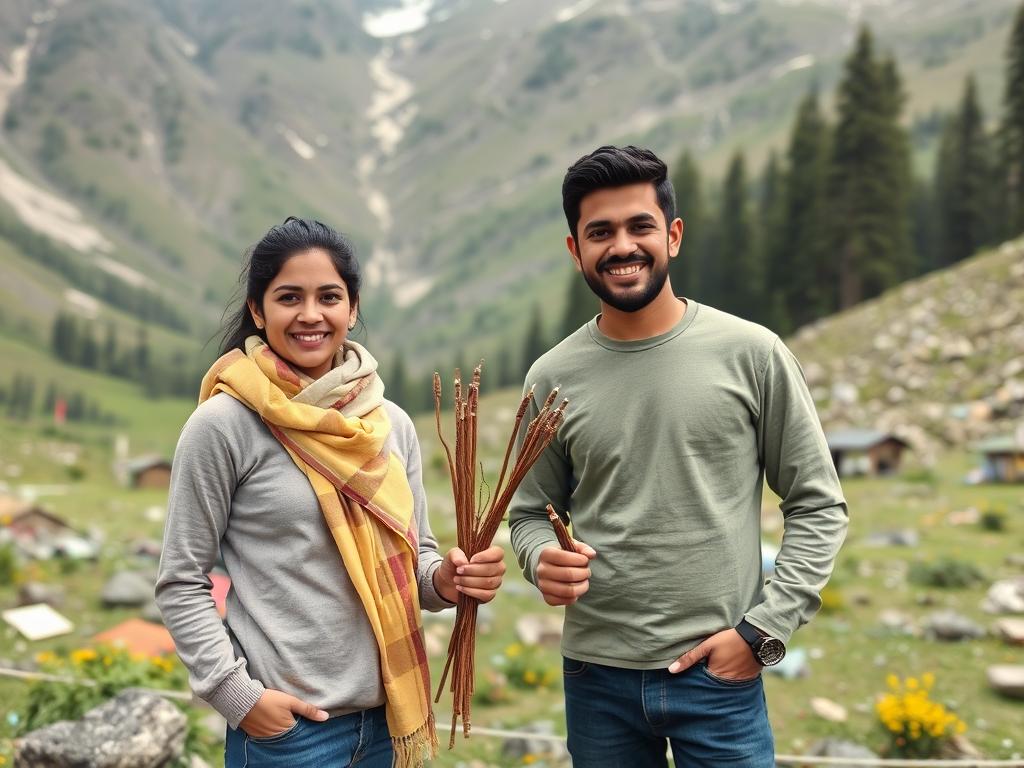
{"points": [[624, 245]]}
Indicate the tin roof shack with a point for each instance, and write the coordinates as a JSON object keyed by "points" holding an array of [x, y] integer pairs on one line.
{"points": [[865, 452], [149, 472], [1002, 459], [40, 534]]}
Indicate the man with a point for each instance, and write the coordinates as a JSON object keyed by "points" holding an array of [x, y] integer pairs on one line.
{"points": [[677, 412]]}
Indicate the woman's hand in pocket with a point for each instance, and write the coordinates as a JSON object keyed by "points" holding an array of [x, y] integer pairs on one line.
{"points": [[275, 713]]}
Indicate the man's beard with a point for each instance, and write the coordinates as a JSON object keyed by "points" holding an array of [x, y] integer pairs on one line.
{"points": [[633, 299]]}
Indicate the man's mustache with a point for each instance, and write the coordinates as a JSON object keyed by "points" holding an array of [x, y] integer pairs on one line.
{"points": [[612, 262]]}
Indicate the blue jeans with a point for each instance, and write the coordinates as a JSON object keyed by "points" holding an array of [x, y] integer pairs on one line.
{"points": [[621, 718], [360, 739]]}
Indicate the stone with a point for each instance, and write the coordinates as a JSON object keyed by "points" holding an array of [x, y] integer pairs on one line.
{"points": [[1005, 596], [906, 537], [794, 665], [839, 748], [828, 710], [146, 548], [896, 621], [32, 592], [1015, 560], [546, 744], [952, 627], [128, 589], [1007, 679], [135, 729], [1011, 630], [151, 612], [539, 629]]}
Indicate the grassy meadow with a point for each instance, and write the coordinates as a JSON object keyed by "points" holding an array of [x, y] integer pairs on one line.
{"points": [[850, 653]]}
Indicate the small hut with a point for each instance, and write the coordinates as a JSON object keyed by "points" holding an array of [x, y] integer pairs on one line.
{"points": [[149, 472], [1002, 459], [865, 452]]}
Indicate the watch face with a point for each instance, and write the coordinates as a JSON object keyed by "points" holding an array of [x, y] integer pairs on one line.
{"points": [[771, 651]]}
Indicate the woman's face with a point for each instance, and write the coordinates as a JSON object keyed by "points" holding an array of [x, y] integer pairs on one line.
{"points": [[307, 312]]}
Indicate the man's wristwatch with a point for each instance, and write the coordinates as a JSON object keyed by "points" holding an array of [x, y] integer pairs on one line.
{"points": [[767, 650]]}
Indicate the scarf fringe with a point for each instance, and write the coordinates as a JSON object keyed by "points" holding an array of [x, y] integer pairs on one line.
{"points": [[409, 749]]}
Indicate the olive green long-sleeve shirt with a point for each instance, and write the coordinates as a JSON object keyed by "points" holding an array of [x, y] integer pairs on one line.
{"points": [[660, 464]]}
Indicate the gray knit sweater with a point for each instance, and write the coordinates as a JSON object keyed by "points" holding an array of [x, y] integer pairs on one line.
{"points": [[294, 621]]}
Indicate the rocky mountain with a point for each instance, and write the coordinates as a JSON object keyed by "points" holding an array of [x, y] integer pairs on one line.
{"points": [[938, 361], [149, 142]]}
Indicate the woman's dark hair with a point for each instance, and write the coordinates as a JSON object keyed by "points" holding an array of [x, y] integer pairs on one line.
{"points": [[615, 167], [265, 259]]}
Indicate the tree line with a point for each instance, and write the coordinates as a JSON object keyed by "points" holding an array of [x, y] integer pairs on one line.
{"points": [[839, 217], [81, 343], [19, 401]]}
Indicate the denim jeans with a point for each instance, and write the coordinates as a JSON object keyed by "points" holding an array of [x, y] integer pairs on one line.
{"points": [[621, 718], [360, 739]]}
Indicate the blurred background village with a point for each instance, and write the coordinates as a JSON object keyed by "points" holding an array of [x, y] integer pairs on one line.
{"points": [[851, 174]]}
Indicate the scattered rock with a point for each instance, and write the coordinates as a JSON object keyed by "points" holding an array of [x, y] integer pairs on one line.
{"points": [[839, 748], [896, 621], [1011, 630], [794, 665], [907, 537], [517, 748], [539, 629], [829, 710], [152, 612], [128, 589], [952, 627], [32, 592], [1007, 679], [1015, 560], [132, 730], [1005, 596]]}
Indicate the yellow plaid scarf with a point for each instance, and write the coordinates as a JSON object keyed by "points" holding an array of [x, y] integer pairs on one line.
{"points": [[334, 429]]}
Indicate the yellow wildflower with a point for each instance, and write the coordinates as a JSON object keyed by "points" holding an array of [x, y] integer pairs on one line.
{"points": [[530, 677], [83, 655], [514, 650]]}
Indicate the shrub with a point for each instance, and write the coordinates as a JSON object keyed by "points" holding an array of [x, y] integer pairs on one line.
{"points": [[946, 573], [524, 668], [993, 519]]}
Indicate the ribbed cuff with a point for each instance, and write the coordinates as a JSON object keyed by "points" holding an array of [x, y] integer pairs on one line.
{"points": [[430, 598], [236, 696]]}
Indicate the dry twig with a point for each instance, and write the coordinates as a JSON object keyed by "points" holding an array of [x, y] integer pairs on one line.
{"points": [[475, 524]]}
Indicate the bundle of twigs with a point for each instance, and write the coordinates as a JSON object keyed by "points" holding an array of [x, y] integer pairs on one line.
{"points": [[476, 519], [564, 539]]}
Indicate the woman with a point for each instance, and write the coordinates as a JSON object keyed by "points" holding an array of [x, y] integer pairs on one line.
{"points": [[308, 482]]}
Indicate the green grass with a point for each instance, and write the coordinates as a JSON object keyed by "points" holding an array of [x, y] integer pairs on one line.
{"points": [[852, 653]]}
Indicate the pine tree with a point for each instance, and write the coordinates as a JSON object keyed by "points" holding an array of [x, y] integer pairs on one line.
{"points": [[109, 354], [142, 357], [50, 399], [804, 257], [869, 178], [534, 343], [961, 181], [771, 211], [397, 383], [684, 270], [89, 351], [738, 277], [1011, 136], [580, 304]]}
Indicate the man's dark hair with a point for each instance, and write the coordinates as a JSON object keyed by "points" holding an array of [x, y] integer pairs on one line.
{"points": [[609, 166]]}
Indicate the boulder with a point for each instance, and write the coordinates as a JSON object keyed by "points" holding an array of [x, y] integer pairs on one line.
{"points": [[1005, 596], [1007, 679], [546, 745], [127, 589], [828, 710], [1011, 630], [539, 629], [838, 748], [133, 730], [952, 627], [32, 592]]}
